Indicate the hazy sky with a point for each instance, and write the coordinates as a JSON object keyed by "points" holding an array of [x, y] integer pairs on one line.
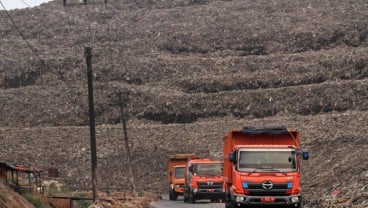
{"points": [[20, 4]]}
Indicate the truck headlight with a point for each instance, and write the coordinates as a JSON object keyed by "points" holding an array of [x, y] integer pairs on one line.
{"points": [[195, 190], [239, 198], [294, 199], [177, 186]]}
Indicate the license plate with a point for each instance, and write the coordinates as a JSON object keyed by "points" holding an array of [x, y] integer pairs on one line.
{"points": [[268, 199], [210, 190]]}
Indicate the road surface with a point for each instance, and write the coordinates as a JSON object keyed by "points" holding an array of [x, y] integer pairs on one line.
{"points": [[166, 203]]}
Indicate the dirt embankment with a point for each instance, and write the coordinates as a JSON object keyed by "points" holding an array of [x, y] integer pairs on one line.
{"points": [[193, 70], [10, 198]]}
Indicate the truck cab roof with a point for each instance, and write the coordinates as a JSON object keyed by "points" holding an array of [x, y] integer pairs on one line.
{"points": [[204, 161], [264, 146]]}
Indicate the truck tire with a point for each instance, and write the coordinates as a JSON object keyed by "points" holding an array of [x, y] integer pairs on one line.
{"points": [[231, 205], [227, 200], [215, 200], [170, 196], [191, 198], [186, 199], [174, 196]]}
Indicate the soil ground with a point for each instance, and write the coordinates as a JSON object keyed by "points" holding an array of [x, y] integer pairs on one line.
{"points": [[193, 69]]}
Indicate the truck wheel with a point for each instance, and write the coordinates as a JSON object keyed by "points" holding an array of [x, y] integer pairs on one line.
{"points": [[171, 195], [231, 205], [228, 202], [174, 196], [186, 199], [191, 198]]}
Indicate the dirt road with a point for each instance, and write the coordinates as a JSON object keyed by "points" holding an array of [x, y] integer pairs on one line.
{"points": [[166, 203]]}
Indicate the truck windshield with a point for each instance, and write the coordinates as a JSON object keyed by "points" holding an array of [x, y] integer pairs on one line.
{"points": [[209, 169], [179, 172], [282, 160]]}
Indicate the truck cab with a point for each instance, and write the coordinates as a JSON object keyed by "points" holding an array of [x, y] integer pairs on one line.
{"points": [[176, 174], [178, 181], [262, 167], [204, 180]]}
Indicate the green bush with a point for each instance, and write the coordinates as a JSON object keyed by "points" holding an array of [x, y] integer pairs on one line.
{"points": [[83, 204], [52, 188], [37, 203]]}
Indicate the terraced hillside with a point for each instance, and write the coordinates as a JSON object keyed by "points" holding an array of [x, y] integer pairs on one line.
{"points": [[194, 69]]}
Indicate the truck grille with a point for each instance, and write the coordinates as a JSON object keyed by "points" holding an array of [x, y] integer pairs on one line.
{"points": [[276, 190], [209, 185], [181, 185]]}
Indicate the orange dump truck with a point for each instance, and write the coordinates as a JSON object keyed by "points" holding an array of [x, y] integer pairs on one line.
{"points": [[176, 174], [204, 180], [262, 167]]}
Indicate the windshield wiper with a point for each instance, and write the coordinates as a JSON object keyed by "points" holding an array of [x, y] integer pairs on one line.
{"points": [[269, 168], [262, 168]]}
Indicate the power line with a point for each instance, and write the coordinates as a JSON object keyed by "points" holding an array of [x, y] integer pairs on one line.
{"points": [[21, 34], [25, 3]]}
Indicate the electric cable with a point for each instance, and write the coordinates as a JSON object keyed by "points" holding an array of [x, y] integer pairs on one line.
{"points": [[21, 34], [25, 3]]}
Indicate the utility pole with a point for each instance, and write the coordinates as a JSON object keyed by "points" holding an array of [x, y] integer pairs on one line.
{"points": [[122, 100], [88, 55]]}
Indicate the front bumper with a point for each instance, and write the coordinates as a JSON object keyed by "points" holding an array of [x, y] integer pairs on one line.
{"points": [[292, 200], [209, 194], [179, 190]]}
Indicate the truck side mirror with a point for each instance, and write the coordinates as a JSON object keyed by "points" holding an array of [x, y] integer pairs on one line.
{"points": [[305, 155], [232, 157], [190, 168]]}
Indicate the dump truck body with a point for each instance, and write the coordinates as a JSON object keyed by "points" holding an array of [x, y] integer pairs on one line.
{"points": [[262, 167], [176, 174], [204, 180]]}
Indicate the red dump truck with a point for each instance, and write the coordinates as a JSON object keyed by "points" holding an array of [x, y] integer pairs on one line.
{"points": [[262, 167], [204, 180], [176, 174]]}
